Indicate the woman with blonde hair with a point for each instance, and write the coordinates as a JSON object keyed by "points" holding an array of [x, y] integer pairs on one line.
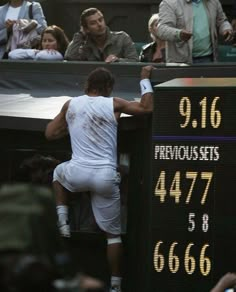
{"points": [[154, 51]]}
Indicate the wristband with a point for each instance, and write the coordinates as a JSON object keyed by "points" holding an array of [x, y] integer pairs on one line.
{"points": [[145, 86]]}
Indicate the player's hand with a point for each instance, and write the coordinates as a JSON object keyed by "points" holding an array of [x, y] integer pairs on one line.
{"points": [[146, 71]]}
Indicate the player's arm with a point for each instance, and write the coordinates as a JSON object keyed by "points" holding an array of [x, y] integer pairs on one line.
{"points": [[146, 103], [57, 128]]}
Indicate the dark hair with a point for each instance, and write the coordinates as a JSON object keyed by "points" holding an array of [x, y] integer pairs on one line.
{"points": [[86, 13], [101, 81], [38, 169], [59, 35]]}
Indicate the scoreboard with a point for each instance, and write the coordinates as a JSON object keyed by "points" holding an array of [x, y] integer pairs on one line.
{"points": [[193, 205]]}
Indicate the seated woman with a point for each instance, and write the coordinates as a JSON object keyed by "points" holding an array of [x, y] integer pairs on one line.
{"points": [[52, 46], [154, 51]]}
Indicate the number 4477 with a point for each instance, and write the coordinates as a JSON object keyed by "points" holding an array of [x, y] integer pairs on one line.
{"points": [[175, 189]]}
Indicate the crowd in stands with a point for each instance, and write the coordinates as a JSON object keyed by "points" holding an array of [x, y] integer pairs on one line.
{"points": [[179, 33]]}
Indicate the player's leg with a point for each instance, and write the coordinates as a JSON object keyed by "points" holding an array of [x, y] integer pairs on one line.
{"points": [[61, 196], [105, 200], [114, 257]]}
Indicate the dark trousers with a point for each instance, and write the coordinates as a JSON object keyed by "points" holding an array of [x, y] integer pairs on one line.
{"points": [[203, 59]]}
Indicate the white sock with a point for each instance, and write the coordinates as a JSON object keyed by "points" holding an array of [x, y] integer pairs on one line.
{"points": [[62, 213], [115, 281]]}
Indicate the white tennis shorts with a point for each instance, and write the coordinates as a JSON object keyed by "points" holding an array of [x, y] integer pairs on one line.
{"points": [[103, 185]]}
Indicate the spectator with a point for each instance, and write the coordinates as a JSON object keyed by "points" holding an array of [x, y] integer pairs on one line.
{"points": [[52, 46], [32, 228], [234, 21], [32, 255], [225, 282], [37, 169], [16, 10], [95, 41], [91, 120], [154, 51], [190, 29]]}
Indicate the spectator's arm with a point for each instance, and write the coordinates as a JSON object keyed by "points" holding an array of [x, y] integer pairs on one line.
{"points": [[38, 15], [222, 22], [3, 35], [166, 28], [3, 27], [130, 53], [21, 54], [75, 48], [49, 55]]}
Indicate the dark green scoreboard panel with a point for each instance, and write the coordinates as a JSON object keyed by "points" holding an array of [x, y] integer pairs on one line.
{"points": [[193, 213]]}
